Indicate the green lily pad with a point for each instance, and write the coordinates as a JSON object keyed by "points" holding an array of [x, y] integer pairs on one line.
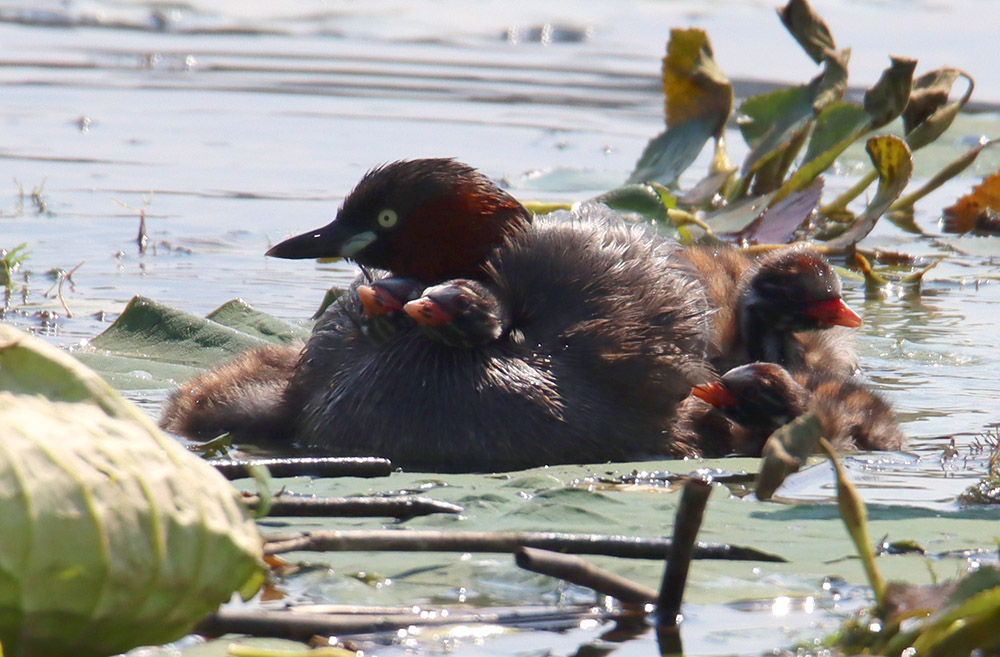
{"points": [[241, 316], [649, 201], [114, 535], [152, 346]]}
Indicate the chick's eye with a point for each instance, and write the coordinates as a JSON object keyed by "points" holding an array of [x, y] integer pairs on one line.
{"points": [[462, 302], [387, 218]]}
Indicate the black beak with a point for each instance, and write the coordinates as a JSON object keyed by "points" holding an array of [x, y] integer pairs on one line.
{"points": [[331, 241]]}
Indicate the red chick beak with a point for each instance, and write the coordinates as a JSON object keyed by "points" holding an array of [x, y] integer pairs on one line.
{"points": [[834, 312], [376, 301], [425, 311], [716, 394]]}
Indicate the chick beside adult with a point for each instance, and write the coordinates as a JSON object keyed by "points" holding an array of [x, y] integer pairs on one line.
{"points": [[243, 397], [784, 307], [758, 398]]}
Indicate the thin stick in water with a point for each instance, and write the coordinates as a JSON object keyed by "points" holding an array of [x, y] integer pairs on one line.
{"points": [[575, 570]]}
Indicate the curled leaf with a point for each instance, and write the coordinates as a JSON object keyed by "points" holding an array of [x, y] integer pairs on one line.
{"points": [[894, 165], [872, 279], [886, 100], [808, 29], [928, 113], [855, 516], [785, 451]]}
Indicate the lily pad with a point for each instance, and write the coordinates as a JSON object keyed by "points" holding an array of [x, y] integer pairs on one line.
{"points": [[114, 535], [153, 346]]}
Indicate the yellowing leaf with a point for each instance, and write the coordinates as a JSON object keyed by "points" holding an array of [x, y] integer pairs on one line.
{"points": [[694, 85]]}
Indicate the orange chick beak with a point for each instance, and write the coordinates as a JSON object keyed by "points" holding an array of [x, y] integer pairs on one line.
{"points": [[834, 312], [715, 393], [425, 311]]}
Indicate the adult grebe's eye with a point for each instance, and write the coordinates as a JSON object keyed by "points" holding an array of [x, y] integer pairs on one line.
{"points": [[387, 218]]}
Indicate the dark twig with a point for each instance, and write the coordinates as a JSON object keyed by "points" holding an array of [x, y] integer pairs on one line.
{"points": [[575, 570], [630, 547], [303, 625], [142, 239], [309, 467], [353, 507], [689, 515]]}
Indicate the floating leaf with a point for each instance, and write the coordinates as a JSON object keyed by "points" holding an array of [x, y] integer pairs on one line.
{"points": [[977, 210], [894, 165], [147, 329], [238, 314], [114, 535]]}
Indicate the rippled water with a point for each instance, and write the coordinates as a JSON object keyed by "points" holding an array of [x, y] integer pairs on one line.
{"points": [[235, 124]]}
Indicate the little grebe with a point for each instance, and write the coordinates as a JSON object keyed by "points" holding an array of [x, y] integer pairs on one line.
{"points": [[785, 307], [382, 302], [428, 219], [606, 329], [460, 313], [585, 338], [761, 397], [243, 397]]}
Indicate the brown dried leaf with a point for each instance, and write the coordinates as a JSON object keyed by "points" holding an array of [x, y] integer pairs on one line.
{"points": [[974, 210]]}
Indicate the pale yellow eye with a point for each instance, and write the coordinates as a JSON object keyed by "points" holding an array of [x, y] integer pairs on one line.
{"points": [[387, 218]]}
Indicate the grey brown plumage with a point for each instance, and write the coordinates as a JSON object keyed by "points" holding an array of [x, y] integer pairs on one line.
{"points": [[607, 333], [243, 397], [758, 398], [784, 307]]}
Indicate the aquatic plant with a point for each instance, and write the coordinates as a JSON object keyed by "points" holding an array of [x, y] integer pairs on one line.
{"points": [[794, 135], [10, 263]]}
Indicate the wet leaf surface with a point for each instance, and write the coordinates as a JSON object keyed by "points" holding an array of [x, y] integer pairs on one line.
{"points": [[115, 536]]}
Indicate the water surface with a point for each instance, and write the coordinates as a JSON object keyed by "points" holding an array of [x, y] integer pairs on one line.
{"points": [[231, 125]]}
